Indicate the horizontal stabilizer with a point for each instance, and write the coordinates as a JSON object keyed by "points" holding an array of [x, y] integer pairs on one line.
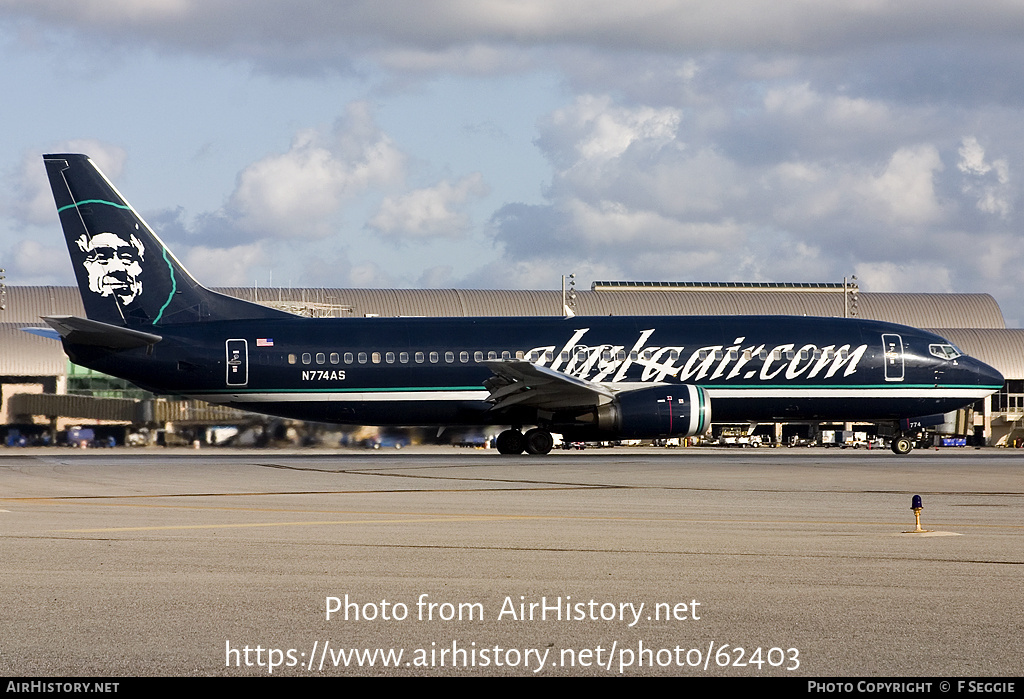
{"points": [[80, 331], [48, 333]]}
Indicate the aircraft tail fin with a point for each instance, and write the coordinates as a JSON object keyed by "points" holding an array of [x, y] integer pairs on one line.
{"points": [[126, 275]]}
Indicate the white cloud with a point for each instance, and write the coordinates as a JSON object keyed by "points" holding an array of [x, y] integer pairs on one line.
{"points": [[369, 275], [613, 224], [31, 260], [917, 277], [601, 131], [907, 186], [972, 157], [543, 273], [224, 266], [791, 100], [605, 152], [429, 212], [838, 111], [437, 277], [986, 182], [297, 193]]}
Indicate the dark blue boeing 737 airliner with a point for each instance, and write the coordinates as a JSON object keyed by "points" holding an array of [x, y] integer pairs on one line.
{"points": [[605, 378]]}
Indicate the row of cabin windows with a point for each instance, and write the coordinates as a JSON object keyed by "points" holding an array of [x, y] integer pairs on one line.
{"points": [[548, 356], [400, 357]]}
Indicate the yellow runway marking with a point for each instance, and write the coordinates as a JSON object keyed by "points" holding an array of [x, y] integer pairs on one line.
{"points": [[419, 517]]}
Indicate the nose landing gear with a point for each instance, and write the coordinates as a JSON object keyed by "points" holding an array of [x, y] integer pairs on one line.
{"points": [[901, 445]]}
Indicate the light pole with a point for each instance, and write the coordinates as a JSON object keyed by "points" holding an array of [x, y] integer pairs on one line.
{"points": [[850, 292], [569, 301]]}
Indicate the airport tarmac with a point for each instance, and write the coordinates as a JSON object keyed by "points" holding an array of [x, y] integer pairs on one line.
{"points": [[691, 562]]}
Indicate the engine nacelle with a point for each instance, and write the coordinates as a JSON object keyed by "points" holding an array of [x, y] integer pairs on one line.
{"points": [[680, 410]]}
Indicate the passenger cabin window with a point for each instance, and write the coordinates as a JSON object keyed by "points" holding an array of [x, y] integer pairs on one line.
{"points": [[306, 358], [348, 357], [449, 357], [292, 358], [419, 357], [335, 358], [433, 357], [389, 357], [478, 356], [362, 357], [375, 357], [464, 357], [321, 358], [403, 357]]}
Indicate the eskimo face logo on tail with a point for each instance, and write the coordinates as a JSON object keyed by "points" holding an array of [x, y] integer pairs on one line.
{"points": [[114, 265]]}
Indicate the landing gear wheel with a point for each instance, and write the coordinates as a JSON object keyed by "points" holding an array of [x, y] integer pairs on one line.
{"points": [[538, 441], [510, 442], [901, 446]]}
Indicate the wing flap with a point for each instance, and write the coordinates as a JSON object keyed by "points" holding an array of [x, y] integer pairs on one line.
{"points": [[519, 382]]}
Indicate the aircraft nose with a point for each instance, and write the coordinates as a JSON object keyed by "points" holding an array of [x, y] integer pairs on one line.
{"points": [[988, 376]]}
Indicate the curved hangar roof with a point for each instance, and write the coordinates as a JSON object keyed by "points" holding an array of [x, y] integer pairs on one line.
{"points": [[26, 304]]}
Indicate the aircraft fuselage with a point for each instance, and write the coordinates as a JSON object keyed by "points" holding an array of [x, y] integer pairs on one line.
{"points": [[428, 371]]}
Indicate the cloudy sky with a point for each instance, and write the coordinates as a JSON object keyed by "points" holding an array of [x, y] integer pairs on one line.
{"points": [[502, 143]]}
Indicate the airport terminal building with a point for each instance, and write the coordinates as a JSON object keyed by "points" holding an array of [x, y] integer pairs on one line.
{"points": [[38, 385]]}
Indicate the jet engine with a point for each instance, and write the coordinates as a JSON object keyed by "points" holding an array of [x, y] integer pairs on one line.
{"points": [[680, 410]]}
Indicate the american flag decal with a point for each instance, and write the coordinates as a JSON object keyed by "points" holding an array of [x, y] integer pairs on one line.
{"points": [[264, 342]]}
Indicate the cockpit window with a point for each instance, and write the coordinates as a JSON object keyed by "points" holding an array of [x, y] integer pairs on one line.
{"points": [[944, 351]]}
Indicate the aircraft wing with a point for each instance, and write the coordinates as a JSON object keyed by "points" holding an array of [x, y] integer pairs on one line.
{"points": [[519, 382], [80, 331]]}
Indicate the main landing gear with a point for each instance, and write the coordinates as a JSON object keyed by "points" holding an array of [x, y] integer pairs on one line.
{"points": [[535, 441]]}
